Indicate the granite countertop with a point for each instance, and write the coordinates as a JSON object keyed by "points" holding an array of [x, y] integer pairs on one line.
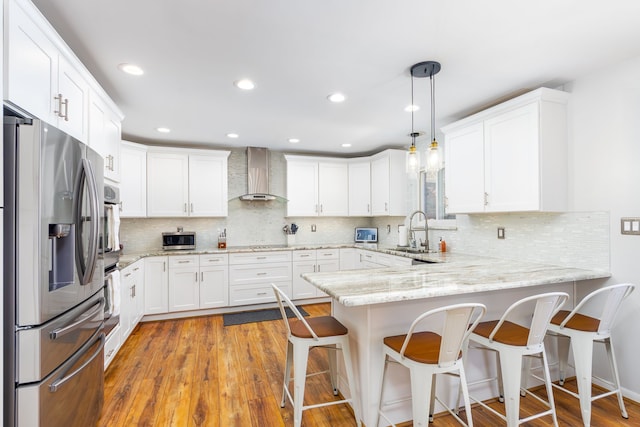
{"points": [[455, 274]]}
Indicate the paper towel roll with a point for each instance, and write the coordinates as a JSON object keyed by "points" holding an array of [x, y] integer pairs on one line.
{"points": [[402, 235]]}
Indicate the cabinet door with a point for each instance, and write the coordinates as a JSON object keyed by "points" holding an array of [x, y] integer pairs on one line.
{"points": [[214, 286], [360, 189], [300, 287], [32, 64], [167, 184], [184, 289], [380, 186], [333, 189], [156, 285], [207, 186], [137, 308], [75, 91], [127, 304], [112, 138], [133, 182], [464, 171], [302, 188], [349, 259], [511, 160]]}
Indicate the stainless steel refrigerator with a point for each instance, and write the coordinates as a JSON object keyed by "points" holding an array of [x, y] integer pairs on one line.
{"points": [[53, 277]]}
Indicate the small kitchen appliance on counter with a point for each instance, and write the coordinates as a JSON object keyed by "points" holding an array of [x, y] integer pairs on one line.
{"points": [[178, 240], [366, 235]]}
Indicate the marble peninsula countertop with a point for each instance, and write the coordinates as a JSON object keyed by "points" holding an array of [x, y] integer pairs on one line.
{"points": [[454, 274]]}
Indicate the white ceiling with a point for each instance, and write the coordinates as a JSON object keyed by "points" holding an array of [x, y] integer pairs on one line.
{"points": [[300, 51]]}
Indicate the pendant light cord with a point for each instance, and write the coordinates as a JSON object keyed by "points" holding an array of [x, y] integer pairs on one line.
{"points": [[433, 107], [413, 107]]}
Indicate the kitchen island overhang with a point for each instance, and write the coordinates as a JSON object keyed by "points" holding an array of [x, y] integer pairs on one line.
{"points": [[381, 302]]}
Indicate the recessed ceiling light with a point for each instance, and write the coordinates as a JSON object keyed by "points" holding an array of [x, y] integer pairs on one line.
{"points": [[232, 135], [245, 84], [336, 97], [132, 69], [410, 108], [347, 145], [163, 130], [294, 140]]}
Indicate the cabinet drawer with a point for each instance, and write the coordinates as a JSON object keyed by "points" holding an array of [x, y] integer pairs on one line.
{"points": [[328, 254], [214, 259], [183, 261], [256, 294], [259, 273], [259, 257], [304, 255]]}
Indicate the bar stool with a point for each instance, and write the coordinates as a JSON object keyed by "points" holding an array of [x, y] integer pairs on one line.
{"points": [[426, 354], [303, 335], [584, 330], [512, 342]]}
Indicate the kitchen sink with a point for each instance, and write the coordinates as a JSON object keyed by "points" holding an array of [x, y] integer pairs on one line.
{"points": [[413, 250]]}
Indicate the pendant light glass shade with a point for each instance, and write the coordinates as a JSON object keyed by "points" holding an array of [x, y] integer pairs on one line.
{"points": [[413, 158]]}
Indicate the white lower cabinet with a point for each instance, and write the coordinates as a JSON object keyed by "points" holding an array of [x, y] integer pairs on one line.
{"points": [[184, 293], [251, 276], [131, 294], [214, 280], [311, 261], [349, 259], [370, 259], [156, 285]]}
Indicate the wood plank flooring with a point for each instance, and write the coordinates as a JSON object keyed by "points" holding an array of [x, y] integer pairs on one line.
{"points": [[196, 372]]}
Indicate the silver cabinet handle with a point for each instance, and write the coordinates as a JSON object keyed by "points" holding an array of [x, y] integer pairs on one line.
{"points": [[386, 206], [136, 269], [127, 275], [320, 207], [62, 103], [305, 256], [261, 274], [328, 254], [164, 266], [191, 207], [261, 257], [316, 208], [202, 276], [184, 262], [132, 292], [110, 353], [368, 208], [196, 276], [318, 268], [185, 208], [261, 293], [486, 199], [314, 268]]}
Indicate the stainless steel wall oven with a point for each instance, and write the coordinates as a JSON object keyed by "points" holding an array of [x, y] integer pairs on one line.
{"points": [[111, 250]]}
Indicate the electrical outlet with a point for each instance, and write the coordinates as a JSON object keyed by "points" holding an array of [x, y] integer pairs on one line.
{"points": [[630, 226], [388, 228], [313, 228], [500, 232]]}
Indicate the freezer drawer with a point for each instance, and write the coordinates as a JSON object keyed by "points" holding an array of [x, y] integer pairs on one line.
{"points": [[42, 349], [72, 396]]}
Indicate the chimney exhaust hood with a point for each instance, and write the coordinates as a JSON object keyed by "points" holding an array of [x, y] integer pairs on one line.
{"points": [[257, 175]]}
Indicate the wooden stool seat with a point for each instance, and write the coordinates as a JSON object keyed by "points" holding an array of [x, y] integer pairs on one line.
{"points": [[323, 326], [424, 347], [509, 333], [578, 321]]}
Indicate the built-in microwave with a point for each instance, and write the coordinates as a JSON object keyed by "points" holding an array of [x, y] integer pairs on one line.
{"points": [[179, 240]]}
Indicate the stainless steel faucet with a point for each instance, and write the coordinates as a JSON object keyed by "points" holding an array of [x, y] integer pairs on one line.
{"points": [[412, 230]]}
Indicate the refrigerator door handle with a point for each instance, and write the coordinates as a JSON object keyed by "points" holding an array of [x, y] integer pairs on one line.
{"points": [[60, 381], [86, 175], [84, 318]]}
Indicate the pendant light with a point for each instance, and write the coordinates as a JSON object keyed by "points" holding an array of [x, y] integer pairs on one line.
{"points": [[413, 157], [430, 69]]}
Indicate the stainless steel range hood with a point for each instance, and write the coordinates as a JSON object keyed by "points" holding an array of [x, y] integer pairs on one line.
{"points": [[257, 175]]}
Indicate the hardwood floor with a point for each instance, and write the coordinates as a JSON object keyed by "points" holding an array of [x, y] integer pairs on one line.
{"points": [[196, 372]]}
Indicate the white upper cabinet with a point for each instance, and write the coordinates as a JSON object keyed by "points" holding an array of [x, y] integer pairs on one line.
{"points": [[167, 184], [389, 183], [509, 158], [105, 135], [45, 79], [41, 80], [133, 180], [317, 187], [208, 185], [360, 187], [186, 183]]}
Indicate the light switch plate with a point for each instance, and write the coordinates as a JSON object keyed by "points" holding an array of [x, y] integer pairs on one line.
{"points": [[630, 226], [500, 232]]}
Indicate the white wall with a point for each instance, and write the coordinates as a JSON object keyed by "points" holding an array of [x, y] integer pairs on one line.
{"points": [[605, 176]]}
